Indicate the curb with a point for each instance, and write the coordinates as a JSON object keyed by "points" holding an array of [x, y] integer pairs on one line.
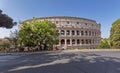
{"points": [[64, 51]]}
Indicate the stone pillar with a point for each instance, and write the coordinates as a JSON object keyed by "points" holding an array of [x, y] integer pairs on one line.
{"points": [[65, 32], [75, 42], [59, 41], [79, 33], [70, 32], [84, 42], [93, 41], [65, 46], [75, 32], [84, 33], [71, 43]]}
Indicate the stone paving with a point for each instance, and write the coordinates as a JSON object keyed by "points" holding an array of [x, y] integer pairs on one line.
{"points": [[68, 61]]}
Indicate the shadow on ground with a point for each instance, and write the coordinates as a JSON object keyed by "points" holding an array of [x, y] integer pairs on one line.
{"points": [[59, 62]]}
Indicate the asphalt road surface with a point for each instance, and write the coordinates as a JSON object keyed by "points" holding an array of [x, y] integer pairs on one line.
{"points": [[62, 62]]}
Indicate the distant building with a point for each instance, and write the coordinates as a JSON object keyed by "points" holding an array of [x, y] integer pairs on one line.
{"points": [[76, 32]]}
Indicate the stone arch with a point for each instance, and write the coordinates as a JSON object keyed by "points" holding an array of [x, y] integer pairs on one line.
{"points": [[86, 33], [82, 33], [73, 32], [68, 32], [62, 42], [78, 41], [89, 33], [73, 41], [62, 32], [89, 41], [68, 41], [78, 32], [86, 41], [82, 41]]}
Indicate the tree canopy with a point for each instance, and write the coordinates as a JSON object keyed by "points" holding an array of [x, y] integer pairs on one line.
{"points": [[38, 33], [104, 43], [6, 21], [115, 34]]}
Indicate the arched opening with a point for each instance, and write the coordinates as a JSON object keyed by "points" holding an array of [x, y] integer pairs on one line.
{"points": [[82, 33], [73, 32], [90, 41], [78, 33], [82, 41], [68, 41], [86, 41], [89, 33], [68, 22], [62, 42], [78, 41], [68, 32], [93, 41], [62, 32], [73, 41], [92, 33], [86, 33]]}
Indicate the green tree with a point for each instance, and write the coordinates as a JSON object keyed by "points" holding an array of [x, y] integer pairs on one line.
{"points": [[104, 44], [115, 34], [6, 21], [38, 33], [25, 36]]}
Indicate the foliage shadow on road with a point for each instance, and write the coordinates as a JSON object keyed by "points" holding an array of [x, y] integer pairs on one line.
{"points": [[59, 62]]}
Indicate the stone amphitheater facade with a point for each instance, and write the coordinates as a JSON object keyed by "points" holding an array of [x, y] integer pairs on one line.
{"points": [[76, 32]]}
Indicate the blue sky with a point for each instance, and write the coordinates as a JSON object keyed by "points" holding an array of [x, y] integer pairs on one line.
{"points": [[103, 11]]}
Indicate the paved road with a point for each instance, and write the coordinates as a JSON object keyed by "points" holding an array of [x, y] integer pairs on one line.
{"points": [[62, 62]]}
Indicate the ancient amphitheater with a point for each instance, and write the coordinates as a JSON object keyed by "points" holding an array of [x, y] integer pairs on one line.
{"points": [[76, 32]]}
